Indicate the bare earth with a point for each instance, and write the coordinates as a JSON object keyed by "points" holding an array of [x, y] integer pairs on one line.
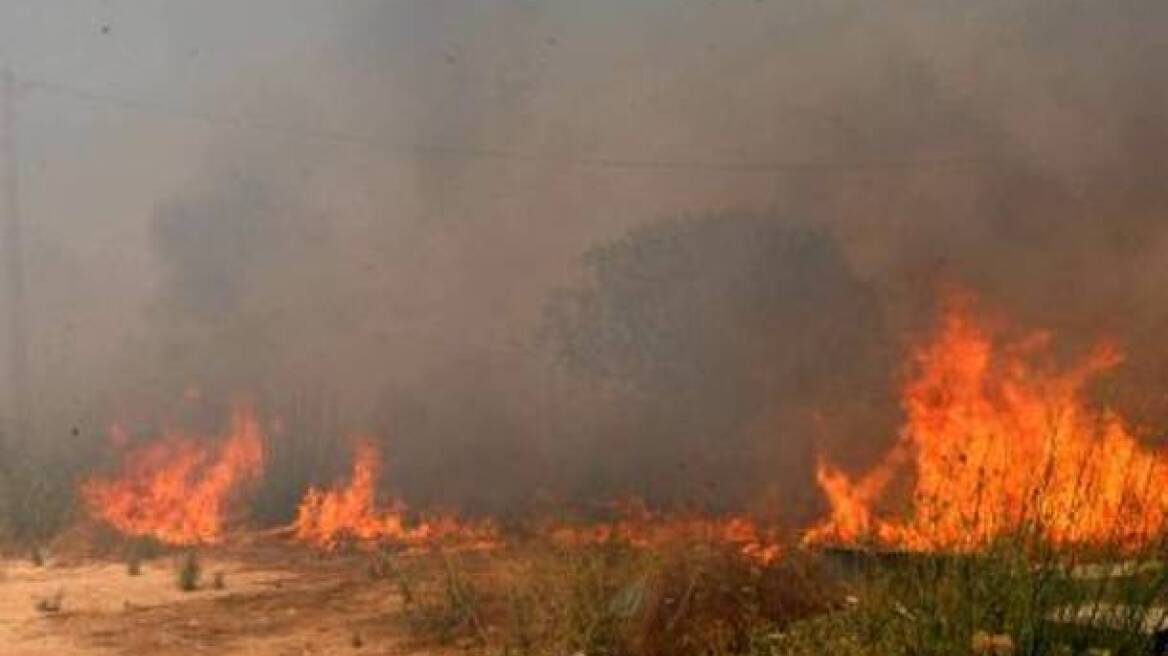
{"points": [[274, 602]]}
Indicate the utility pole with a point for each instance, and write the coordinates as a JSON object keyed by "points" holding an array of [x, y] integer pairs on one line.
{"points": [[13, 256]]}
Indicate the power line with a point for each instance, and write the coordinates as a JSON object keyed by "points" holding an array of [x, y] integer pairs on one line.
{"points": [[478, 153]]}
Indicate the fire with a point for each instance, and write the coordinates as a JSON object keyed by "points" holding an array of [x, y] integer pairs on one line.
{"points": [[329, 518], [640, 526], [997, 440], [177, 489], [350, 514]]}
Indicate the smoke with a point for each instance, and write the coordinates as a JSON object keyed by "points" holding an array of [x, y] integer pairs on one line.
{"points": [[406, 271]]}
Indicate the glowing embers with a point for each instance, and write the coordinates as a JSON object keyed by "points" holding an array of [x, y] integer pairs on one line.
{"points": [[349, 514], [995, 441], [178, 488]]}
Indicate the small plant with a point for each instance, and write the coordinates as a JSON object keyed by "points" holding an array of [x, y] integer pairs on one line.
{"points": [[52, 603], [462, 599], [383, 566], [190, 571], [448, 606], [138, 551]]}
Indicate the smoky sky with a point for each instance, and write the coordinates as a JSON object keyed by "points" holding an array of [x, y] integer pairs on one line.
{"points": [[374, 203]]}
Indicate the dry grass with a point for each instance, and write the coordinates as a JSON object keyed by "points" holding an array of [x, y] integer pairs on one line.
{"points": [[688, 598], [697, 598]]}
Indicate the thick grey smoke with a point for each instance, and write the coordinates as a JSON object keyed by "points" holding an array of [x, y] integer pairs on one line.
{"points": [[407, 192]]}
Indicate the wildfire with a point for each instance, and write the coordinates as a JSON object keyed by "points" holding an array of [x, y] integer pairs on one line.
{"points": [[997, 440], [177, 489], [328, 518], [641, 527], [350, 514]]}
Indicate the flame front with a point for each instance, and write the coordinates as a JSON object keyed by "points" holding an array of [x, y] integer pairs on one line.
{"points": [[176, 490], [997, 442], [639, 526], [328, 518], [350, 514]]}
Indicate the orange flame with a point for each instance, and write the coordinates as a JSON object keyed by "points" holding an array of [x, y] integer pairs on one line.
{"points": [[349, 514], [177, 489], [998, 442], [641, 527], [329, 518]]}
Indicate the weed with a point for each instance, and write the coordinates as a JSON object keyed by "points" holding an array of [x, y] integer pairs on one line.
{"points": [[139, 550], [52, 603], [383, 565], [190, 572]]}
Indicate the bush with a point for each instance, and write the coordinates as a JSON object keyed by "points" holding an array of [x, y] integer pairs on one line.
{"points": [[190, 571]]}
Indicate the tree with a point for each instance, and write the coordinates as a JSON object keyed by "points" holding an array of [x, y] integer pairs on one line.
{"points": [[730, 340]]}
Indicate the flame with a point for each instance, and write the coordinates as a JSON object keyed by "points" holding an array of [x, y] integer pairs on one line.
{"points": [[349, 514], [998, 441], [329, 518], [177, 489], [640, 526]]}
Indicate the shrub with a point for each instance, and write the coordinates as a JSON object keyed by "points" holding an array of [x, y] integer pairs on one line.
{"points": [[190, 571]]}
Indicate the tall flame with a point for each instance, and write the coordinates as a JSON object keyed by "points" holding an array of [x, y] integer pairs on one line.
{"points": [[176, 489], [996, 442], [329, 518]]}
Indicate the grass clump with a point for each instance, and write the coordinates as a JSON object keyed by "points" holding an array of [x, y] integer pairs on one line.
{"points": [[1015, 597], [138, 550], [190, 572]]}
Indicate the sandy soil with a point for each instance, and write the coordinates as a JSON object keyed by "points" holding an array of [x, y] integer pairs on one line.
{"points": [[274, 602]]}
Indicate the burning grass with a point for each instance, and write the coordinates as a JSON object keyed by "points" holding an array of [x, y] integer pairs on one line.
{"points": [[176, 490], [350, 513], [996, 438]]}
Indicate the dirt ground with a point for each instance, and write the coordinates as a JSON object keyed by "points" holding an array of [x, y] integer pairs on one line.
{"points": [[276, 600]]}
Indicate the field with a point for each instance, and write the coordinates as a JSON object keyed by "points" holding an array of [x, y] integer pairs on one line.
{"points": [[1012, 515], [249, 600], [263, 595]]}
